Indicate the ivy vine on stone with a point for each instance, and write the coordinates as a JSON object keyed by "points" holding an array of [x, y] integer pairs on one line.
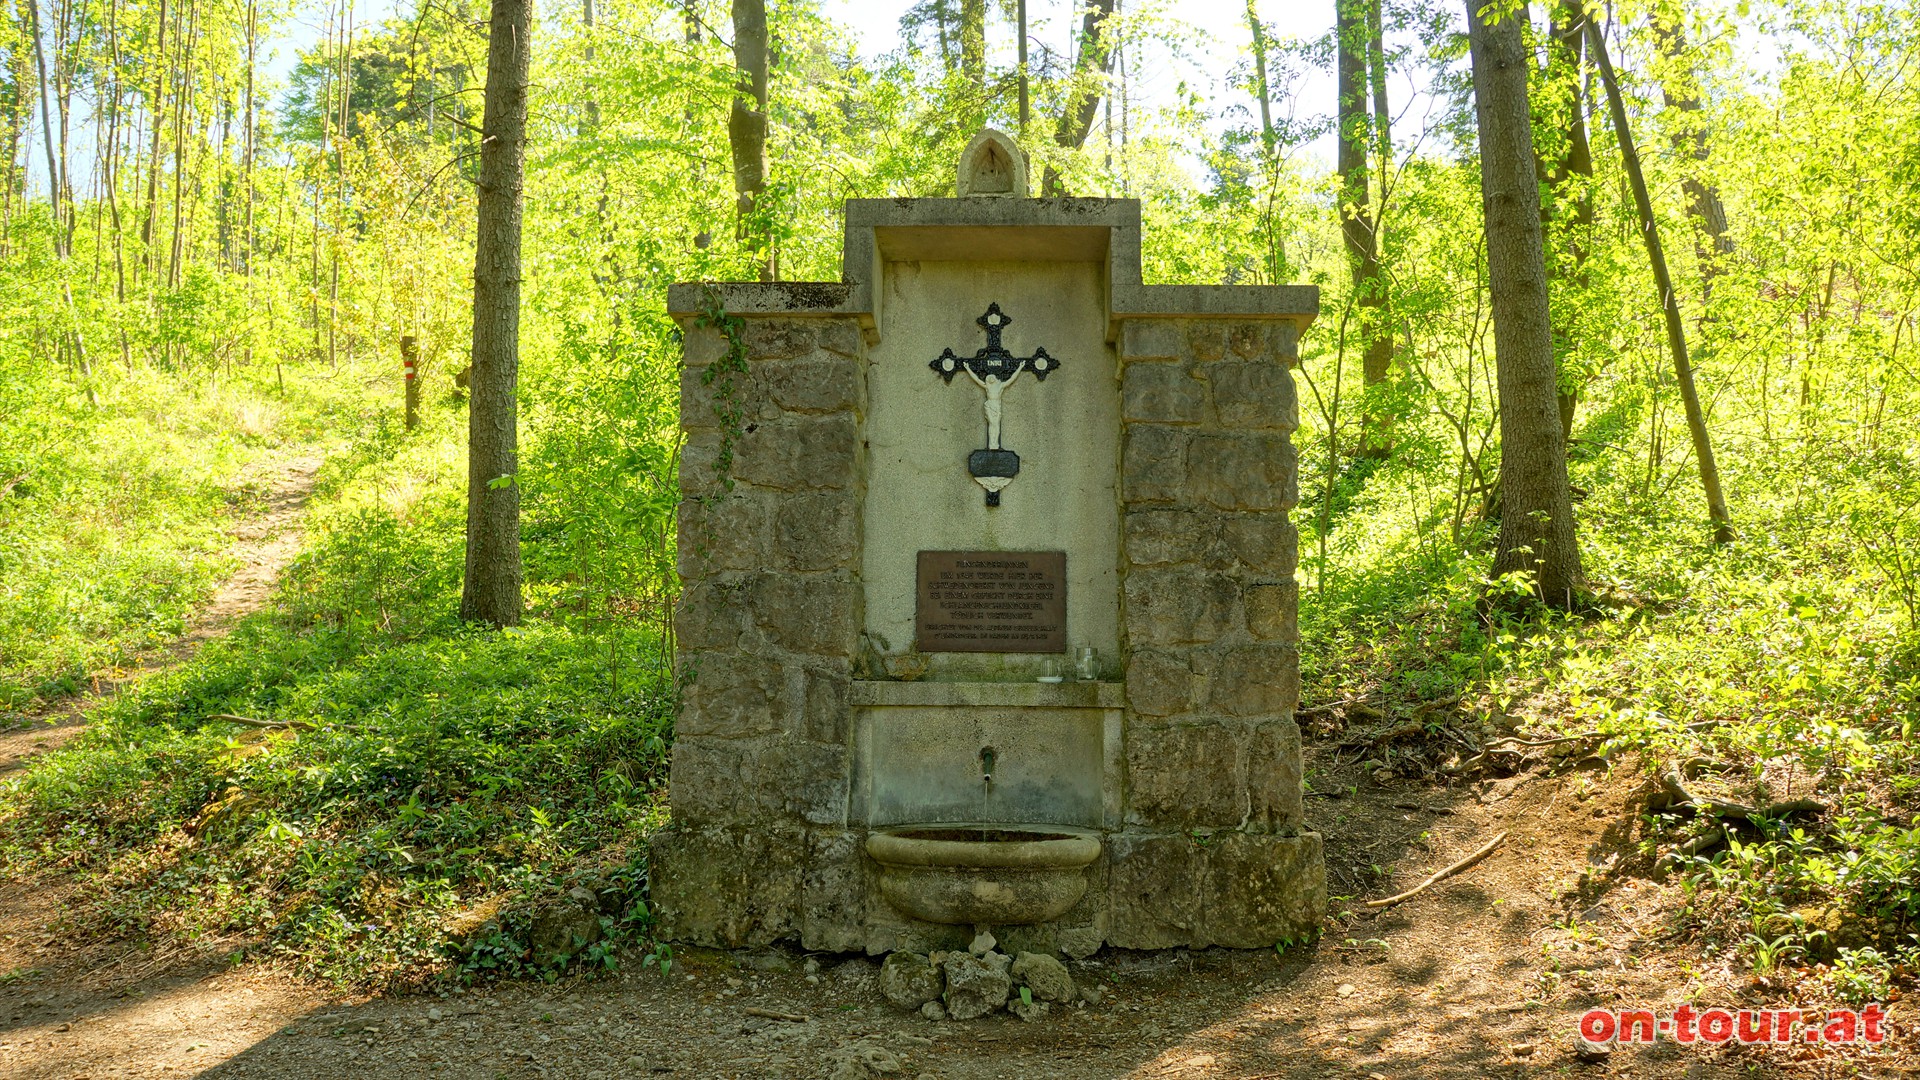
{"points": [[720, 376]]}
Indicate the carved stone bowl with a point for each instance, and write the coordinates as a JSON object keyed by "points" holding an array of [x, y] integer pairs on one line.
{"points": [[998, 875]]}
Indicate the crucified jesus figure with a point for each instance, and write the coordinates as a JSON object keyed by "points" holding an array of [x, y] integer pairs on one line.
{"points": [[993, 386]]}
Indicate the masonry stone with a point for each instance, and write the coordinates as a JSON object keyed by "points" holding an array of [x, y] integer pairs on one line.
{"points": [[1251, 680], [813, 384], [727, 532], [1163, 393], [1274, 783], [1253, 396], [1155, 463], [1160, 682], [817, 530], [1243, 472], [1152, 339], [1266, 544], [799, 453], [1163, 762], [1206, 340], [777, 339], [1181, 605], [1270, 611], [806, 613]]}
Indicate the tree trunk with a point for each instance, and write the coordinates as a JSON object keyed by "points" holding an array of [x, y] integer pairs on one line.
{"points": [[1690, 138], [1092, 63], [747, 131], [1355, 23], [1264, 91], [491, 590], [1570, 186], [253, 39], [112, 91], [1536, 520], [592, 106], [46, 130], [183, 105], [973, 50], [1026, 100], [1669, 300], [156, 109]]}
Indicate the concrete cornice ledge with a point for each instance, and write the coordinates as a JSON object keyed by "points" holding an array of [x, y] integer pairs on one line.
{"points": [[1008, 695]]}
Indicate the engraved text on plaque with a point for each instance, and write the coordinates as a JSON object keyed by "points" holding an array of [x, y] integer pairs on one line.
{"points": [[992, 601]]}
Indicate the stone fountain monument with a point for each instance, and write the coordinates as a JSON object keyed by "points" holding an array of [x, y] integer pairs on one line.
{"points": [[989, 603]]}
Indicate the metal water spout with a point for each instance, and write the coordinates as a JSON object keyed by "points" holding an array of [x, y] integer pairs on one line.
{"points": [[986, 764]]}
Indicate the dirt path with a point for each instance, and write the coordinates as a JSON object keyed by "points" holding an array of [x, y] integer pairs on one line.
{"points": [[263, 544], [1484, 975]]}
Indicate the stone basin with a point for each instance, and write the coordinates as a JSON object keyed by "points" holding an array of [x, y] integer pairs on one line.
{"points": [[999, 875]]}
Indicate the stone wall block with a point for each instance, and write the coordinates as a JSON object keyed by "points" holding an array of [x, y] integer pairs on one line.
{"points": [[1156, 895], [725, 532], [1249, 340], [826, 687], [1152, 339], [833, 909], [807, 613], [1163, 537], [1272, 611], [812, 384], [734, 695], [699, 457], [1250, 680], [842, 336], [1187, 775], [1160, 682], [1153, 464], [1286, 343], [703, 344], [1162, 393], [804, 780], [1274, 781], [777, 339], [1179, 606], [1254, 395], [1260, 890], [1266, 544], [799, 453], [1243, 472], [708, 617], [744, 393], [705, 777], [1206, 340], [817, 531]]}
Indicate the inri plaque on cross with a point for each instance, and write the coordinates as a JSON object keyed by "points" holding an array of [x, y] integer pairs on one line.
{"points": [[994, 369]]}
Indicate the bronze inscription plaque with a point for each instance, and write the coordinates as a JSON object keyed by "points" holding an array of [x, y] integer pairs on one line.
{"points": [[992, 601]]}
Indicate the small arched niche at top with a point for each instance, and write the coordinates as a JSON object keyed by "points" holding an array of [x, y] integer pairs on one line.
{"points": [[993, 165]]}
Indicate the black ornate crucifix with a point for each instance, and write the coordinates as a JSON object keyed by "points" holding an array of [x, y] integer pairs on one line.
{"points": [[994, 369]]}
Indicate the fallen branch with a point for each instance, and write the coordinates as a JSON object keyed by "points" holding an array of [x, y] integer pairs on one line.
{"points": [[1423, 806], [248, 721], [1315, 710], [774, 1014], [1680, 795], [1426, 707], [1515, 740], [1443, 875]]}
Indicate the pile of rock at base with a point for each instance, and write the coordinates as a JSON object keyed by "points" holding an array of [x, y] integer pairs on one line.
{"points": [[975, 983]]}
